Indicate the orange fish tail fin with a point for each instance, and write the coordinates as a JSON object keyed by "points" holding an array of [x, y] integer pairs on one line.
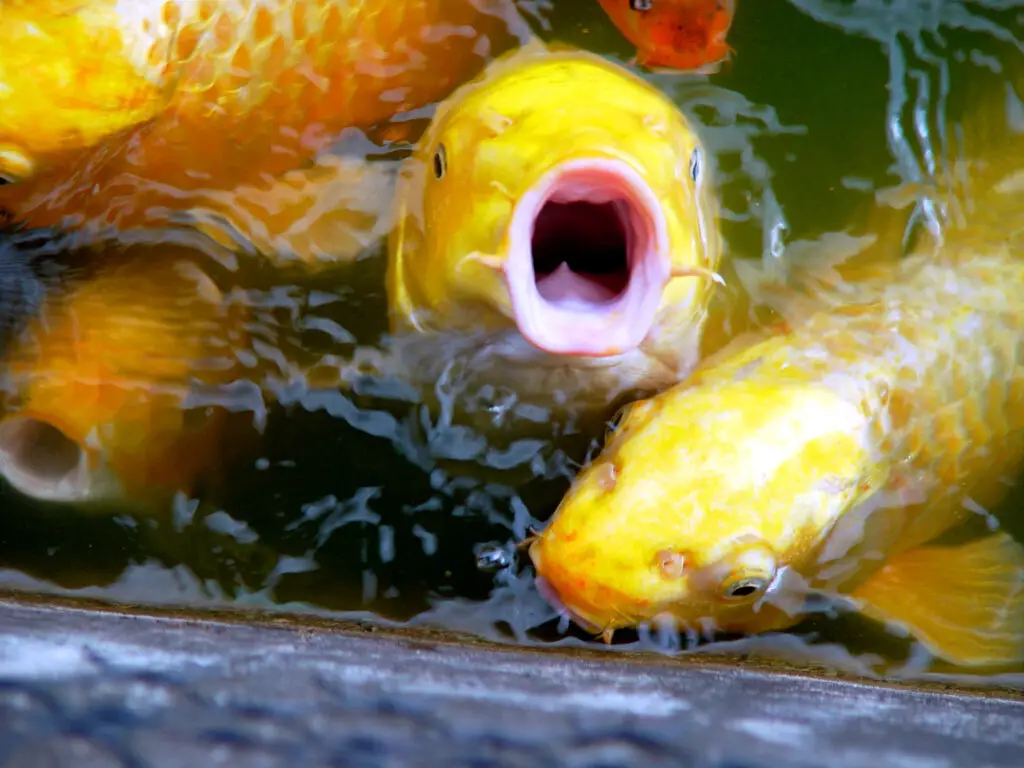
{"points": [[964, 603]]}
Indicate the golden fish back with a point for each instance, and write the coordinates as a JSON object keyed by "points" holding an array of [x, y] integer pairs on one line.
{"points": [[199, 97]]}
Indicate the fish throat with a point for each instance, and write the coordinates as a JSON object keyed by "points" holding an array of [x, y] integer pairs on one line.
{"points": [[581, 251], [587, 259]]}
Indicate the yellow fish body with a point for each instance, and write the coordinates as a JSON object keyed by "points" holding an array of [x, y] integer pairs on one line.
{"points": [[128, 113], [827, 460], [100, 383], [560, 210]]}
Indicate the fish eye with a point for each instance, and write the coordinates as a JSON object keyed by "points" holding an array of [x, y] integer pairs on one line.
{"points": [[743, 589], [5, 179], [640, 5], [695, 163], [440, 162]]}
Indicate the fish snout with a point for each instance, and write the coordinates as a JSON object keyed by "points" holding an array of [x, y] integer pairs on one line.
{"points": [[574, 586]]}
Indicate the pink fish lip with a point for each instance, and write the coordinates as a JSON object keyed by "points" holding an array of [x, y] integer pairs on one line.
{"points": [[588, 259]]}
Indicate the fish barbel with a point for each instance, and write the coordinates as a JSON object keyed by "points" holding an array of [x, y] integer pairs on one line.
{"points": [[128, 113], [99, 384], [558, 230], [827, 459]]}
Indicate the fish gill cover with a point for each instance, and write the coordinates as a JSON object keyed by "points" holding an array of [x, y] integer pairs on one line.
{"points": [[225, 416]]}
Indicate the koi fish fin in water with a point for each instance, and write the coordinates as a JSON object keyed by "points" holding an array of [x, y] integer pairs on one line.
{"points": [[328, 213], [964, 603]]}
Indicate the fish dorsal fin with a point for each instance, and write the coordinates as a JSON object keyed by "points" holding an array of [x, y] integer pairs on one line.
{"points": [[965, 603]]}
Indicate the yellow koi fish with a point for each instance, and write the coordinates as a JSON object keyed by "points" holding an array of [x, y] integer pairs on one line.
{"points": [[828, 459], [559, 211]]}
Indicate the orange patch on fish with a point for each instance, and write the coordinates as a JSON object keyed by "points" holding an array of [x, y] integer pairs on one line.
{"points": [[674, 34]]}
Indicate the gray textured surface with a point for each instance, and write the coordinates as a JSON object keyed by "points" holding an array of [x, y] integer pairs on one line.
{"points": [[88, 688]]}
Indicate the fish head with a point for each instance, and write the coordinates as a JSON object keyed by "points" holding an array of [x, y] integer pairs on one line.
{"points": [[101, 382], [561, 195], [681, 35], [67, 83], [702, 504]]}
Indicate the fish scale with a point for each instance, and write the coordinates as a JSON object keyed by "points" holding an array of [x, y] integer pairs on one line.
{"points": [[938, 414], [145, 105]]}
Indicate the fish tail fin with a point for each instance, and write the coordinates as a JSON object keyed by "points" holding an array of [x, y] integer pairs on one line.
{"points": [[964, 603]]}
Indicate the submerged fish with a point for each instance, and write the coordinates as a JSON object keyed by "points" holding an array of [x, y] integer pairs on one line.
{"points": [[137, 113], [674, 34], [827, 460], [99, 385], [557, 230]]}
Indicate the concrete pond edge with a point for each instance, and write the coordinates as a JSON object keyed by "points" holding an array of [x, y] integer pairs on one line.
{"points": [[88, 685]]}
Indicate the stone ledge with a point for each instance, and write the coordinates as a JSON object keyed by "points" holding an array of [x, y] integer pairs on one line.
{"points": [[96, 688]]}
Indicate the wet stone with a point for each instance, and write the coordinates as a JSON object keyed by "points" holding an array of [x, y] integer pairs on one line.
{"points": [[182, 749], [263, 690], [512, 725], [21, 712], [487, 755], [344, 760], [273, 730], [372, 733], [120, 700], [613, 751], [60, 751], [343, 725]]}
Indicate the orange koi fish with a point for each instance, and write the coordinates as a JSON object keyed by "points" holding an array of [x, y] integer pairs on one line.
{"points": [[674, 34], [98, 408], [143, 113]]}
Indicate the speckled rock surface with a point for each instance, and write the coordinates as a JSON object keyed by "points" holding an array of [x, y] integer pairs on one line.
{"points": [[87, 688]]}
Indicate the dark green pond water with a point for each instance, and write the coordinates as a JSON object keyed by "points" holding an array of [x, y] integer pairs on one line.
{"points": [[369, 503]]}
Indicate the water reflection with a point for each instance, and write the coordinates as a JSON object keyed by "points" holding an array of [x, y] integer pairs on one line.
{"points": [[347, 487]]}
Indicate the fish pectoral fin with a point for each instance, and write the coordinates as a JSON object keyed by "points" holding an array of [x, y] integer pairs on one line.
{"points": [[964, 603]]}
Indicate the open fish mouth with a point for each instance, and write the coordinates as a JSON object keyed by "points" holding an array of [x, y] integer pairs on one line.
{"points": [[40, 461], [588, 259]]}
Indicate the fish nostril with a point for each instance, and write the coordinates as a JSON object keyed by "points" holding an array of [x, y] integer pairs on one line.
{"points": [[670, 563]]}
